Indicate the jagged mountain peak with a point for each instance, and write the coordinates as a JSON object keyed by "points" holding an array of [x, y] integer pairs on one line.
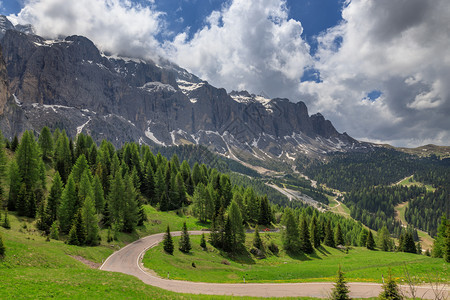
{"points": [[70, 84]]}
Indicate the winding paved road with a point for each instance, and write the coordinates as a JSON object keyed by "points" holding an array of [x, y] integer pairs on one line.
{"points": [[128, 260]]}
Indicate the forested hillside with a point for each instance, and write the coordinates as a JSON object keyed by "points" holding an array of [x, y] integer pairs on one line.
{"points": [[75, 189], [367, 180]]}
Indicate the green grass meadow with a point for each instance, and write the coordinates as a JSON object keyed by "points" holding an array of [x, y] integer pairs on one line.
{"points": [[359, 264]]}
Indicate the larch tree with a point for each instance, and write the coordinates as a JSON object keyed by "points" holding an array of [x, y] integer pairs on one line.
{"points": [[130, 209], [116, 201], [63, 156], [237, 226], [68, 209], [99, 196], [27, 158], [89, 216], [14, 185], [54, 199]]}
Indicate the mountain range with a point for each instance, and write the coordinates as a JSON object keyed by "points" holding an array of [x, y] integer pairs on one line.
{"points": [[70, 84]]}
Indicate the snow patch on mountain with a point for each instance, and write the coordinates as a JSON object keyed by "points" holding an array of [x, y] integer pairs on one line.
{"points": [[187, 87], [156, 86], [80, 128]]}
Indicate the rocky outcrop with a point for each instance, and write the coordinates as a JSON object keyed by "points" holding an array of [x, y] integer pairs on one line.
{"points": [[4, 88]]}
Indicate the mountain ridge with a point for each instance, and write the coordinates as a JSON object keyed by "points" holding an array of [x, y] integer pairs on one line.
{"points": [[70, 84]]}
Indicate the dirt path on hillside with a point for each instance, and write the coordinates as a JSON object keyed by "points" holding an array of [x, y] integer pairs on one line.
{"points": [[128, 260], [425, 239]]}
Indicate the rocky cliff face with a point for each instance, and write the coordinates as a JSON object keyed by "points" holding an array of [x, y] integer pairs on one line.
{"points": [[4, 88], [71, 85]]}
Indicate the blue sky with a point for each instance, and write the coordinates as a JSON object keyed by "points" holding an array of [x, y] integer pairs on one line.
{"points": [[378, 69], [315, 15]]}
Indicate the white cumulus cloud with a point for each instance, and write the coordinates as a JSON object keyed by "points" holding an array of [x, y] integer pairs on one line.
{"points": [[398, 48], [119, 26], [248, 44]]}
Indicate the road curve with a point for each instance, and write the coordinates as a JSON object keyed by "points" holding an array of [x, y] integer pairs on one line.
{"points": [[128, 260]]}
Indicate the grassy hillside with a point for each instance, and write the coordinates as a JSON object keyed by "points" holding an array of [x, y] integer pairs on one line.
{"points": [[36, 268], [359, 264]]}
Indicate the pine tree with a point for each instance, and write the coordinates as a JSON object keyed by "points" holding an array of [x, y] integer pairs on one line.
{"points": [[390, 290], [199, 200], [3, 160], [148, 185], [203, 241], [447, 245], [237, 227], [160, 185], [197, 175], [131, 209], [252, 204], [168, 242], [185, 243], [340, 290], [305, 242], [63, 157], [46, 143], [80, 228], [180, 190], [186, 174], [164, 202], [84, 188], [329, 236], [257, 241], [27, 158], [54, 199], [68, 209], [116, 199], [14, 185], [265, 214], [384, 239], [338, 236], [370, 244], [408, 243], [228, 236], [99, 196], [72, 239], [54, 230], [14, 144], [90, 221], [142, 216], [92, 160], [439, 242], [2, 248], [290, 233], [6, 224], [22, 200], [419, 248], [79, 168], [314, 232], [43, 219]]}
